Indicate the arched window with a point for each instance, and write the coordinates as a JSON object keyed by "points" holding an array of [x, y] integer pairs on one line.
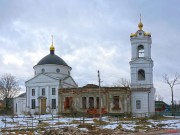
{"points": [[140, 51], [141, 75], [138, 104]]}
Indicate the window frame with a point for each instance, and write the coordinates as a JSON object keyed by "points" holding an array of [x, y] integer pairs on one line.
{"points": [[53, 103], [58, 70], [116, 102], [97, 102], [16, 107], [141, 51], [53, 91], [33, 103], [138, 104], [84, 102], [141, 75], [91, 102], [43, 92], [33, 92]]}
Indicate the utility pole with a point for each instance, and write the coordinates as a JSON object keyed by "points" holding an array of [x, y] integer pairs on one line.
{"points": [[99, 80]]}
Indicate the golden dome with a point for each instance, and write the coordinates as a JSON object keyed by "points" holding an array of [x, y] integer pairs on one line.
{"points": [[52, 46], [140, 25]]}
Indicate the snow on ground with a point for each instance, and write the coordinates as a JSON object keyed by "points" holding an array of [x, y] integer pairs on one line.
{"points": [[173, 123], [55, 121], [83, 129], [130, 127], [110, 126]]}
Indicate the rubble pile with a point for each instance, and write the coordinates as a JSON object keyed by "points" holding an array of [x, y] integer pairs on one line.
{"points": [[76, 131], [65, 131]]}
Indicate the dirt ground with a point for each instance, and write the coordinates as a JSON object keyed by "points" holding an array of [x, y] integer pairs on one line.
{"points": [[76, 131]]}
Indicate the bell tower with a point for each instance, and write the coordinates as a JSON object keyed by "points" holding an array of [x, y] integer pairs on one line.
{"points": [[141, 67]]}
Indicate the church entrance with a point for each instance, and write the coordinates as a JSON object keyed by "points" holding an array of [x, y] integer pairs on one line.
{"points": [[43, 105]]}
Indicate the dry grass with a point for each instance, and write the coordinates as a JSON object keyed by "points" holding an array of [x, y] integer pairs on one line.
{"points": [[17, 132], [59, 123], [75, 122], [40, 131], [42, 124], [88, 126], [96, 122]]}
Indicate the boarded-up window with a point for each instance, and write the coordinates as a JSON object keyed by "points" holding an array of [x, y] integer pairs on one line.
{"points": [[84, 102], [116, 102], [67, 102], [91, 102], [138, 104], [141, 75]]}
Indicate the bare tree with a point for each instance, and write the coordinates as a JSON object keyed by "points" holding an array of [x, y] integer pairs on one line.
{"points": [[123, 82], [158, 98], [178, 108], [172, 82], [9, 86]]}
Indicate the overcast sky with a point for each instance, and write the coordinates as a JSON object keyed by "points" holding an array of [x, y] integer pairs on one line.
{"points": [[89, 35]]}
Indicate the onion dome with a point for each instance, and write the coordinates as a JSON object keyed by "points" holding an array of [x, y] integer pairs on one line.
{"points": [[52, 47], [140, 25]]}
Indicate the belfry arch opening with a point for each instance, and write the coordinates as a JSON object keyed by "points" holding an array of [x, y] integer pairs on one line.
{"points": [[140, 50], [141, 74]]}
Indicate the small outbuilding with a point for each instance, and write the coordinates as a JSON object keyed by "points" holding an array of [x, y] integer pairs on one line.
{"points": [[20, 104]]}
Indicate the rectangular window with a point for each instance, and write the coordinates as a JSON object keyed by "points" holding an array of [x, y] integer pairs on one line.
{"points": [[16, 107], [33, 92], [91, 102], [43, 91], [97, 102], [84, 102], [53, 91], [138, 104], [33, 103], [116, 102], [53, 103]]}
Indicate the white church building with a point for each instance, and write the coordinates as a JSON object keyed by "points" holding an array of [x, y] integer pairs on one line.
{"points": [[52, 73]]}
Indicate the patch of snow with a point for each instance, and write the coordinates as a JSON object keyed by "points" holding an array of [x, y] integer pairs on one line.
{"points": [[110, 126], [83, 129], [130, 127], [25, 122], [89, 122]]}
